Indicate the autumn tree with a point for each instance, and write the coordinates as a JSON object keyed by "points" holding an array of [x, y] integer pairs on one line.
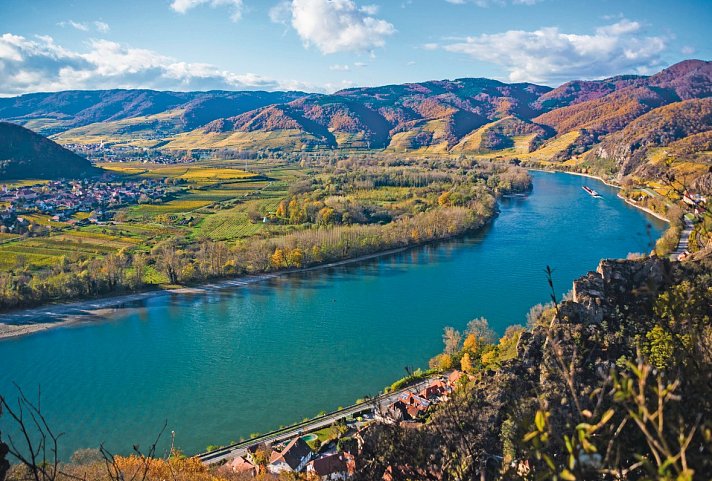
{"points": [[168, 259], [466, 363], [451, 339], [278, 258], [295, 257]]}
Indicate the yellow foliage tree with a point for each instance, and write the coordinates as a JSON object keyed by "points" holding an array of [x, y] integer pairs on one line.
{"points": [[277, 259], [295, 258], [281, 210], [472, 343], [444, 198], [489, 357], [441, 362], [466, 363]]}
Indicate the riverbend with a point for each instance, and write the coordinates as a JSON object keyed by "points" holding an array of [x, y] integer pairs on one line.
{"points": [[223, 363]]}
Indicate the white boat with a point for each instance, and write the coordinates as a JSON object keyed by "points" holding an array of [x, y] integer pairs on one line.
{"points": [[591, 192]]}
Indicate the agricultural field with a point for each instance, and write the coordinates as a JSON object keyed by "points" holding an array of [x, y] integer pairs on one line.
{"points": [[38, 252], [211, 199]]}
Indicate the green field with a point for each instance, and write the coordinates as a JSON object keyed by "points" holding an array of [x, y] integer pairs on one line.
{"points": [[210, 200]]}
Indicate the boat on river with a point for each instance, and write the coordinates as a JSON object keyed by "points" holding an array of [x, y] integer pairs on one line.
{"points": [[591, 192]]}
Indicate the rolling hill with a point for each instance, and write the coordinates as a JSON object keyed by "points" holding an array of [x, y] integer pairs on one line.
{"points": [[128, 111], [595, 123], [27, 155], [435, 114]]}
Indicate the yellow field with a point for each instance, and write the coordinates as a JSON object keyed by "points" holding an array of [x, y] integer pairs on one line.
{"points": [[552, 147], [13, 184], [190, 172]]}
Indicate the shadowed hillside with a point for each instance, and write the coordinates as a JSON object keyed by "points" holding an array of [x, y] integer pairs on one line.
{"points": [[27, 155]]}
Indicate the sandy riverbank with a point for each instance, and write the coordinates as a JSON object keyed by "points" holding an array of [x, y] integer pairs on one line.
{"points": [[32, 320]]}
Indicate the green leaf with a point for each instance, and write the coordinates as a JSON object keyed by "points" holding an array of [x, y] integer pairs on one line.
{"points": [[569, 446], [540, 421], [529, 436]]}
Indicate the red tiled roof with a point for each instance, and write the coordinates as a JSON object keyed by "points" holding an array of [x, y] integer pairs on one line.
{"points": [[241, 465], [329, 464]]}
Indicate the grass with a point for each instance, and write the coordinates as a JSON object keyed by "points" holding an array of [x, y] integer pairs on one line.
{"points": [[13, 184], [211, 200]]}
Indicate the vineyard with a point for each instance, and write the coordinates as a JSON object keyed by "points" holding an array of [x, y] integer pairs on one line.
{"points": [[210, 200]]}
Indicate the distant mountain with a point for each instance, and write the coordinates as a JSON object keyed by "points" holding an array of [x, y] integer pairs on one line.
{"points": [[671, 124], [410, 116], [607, 106], [577, 122], [50, 113], [27, 155]]}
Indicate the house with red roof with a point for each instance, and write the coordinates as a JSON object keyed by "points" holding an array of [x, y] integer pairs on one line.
{"points": [[332, 466]]}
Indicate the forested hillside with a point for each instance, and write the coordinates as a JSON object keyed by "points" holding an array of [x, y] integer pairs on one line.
{"points": [[27, 155], [592, 126]]}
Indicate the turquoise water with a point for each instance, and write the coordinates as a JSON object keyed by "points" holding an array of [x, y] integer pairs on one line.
{"points": [[221, 365]]}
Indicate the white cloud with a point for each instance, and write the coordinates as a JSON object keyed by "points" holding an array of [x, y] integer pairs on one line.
{"points": [[549, 55], [86, 26], [102, 27], [40, 65], [281, 13], [487, 3], [430, 46], [334, 25], [687, 50], [369, 9], [339, 68], [182, 6]]}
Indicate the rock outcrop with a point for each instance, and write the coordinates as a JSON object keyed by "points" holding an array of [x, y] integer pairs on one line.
{"points": [[616, 282]]}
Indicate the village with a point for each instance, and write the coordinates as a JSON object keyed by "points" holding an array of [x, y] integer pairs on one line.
{"points": [[331, 453], [104, 152], [62, 199]]}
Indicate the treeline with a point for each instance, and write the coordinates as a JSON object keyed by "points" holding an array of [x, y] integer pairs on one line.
{"points": [[336, 214], [181, 261]]}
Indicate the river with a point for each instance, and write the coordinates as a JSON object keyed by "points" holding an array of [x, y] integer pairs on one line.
{"points": [[226, 363]]}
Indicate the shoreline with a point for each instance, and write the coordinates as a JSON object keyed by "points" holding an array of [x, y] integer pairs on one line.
{"points": [[616, 186], [26, 321], [31, 320]]}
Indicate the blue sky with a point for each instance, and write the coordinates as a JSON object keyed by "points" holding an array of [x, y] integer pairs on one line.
{"points": [[324, 45]]}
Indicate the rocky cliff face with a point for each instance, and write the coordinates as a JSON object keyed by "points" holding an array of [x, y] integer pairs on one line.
{"points": [[616, 283]]}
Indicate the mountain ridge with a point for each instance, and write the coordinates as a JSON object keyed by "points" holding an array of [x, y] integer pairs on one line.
{"points": [[466, 116]]}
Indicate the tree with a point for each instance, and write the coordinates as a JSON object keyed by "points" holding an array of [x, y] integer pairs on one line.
{"points": [[326, 216], [480, 328], [295, 257], [168, 259], [278, 259], [466, 363], [281, 210], [660, 347], [441, 362], [451, 339], [113, 268], [139, 269]]}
